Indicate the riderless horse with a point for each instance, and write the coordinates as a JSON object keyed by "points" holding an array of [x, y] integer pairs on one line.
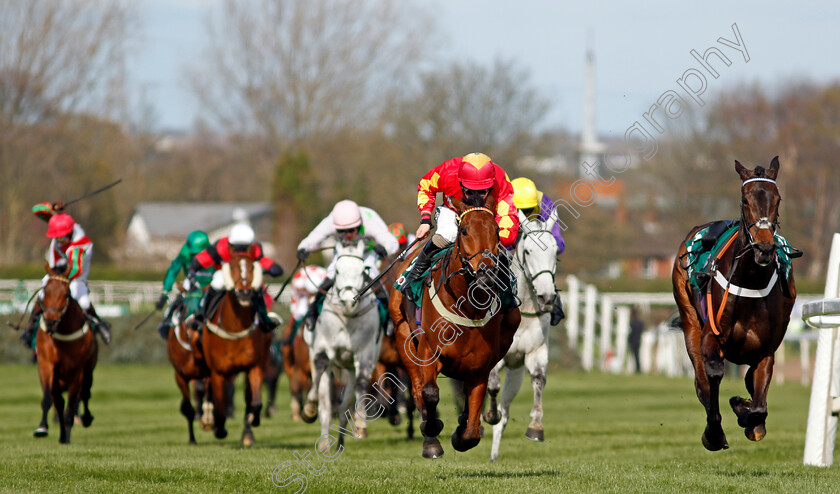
{"points": [[462, 331], [534, 268], [345, 336], [67, 353], [233, 343], [743, 313]]}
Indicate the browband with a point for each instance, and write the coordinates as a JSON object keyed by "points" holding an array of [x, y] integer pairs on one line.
{"points": [[758, 180]]}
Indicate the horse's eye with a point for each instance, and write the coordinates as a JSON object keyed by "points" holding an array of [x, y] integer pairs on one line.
{"points": [[744, 201], [463, 230]]}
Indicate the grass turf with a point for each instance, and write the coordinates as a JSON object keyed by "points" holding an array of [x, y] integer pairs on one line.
{"points": [[603, 433]]}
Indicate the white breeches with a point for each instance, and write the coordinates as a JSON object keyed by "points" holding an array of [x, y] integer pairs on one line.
{"points": [[78, 290], [447, 223]]}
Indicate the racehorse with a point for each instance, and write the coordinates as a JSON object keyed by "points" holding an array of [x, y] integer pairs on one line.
{"points": [[189, 366], [746, 309], [67, 353], [233, 343], [464, 346], [297, 368], [534, 267], [345, 337]]}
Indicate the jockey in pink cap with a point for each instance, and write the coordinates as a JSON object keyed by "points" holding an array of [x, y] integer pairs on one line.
{"points": [[345, 223], [69, 246]]}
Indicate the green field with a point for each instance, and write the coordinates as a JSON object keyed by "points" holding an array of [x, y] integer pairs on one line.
{"points": [[603, 434]]}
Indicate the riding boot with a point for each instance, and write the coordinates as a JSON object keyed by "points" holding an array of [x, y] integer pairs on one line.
{"points": [[267, 324], [166, 324], [211, 301], [315, 307], [421, 265], [382, 297], [28, 335], [99, 325], [557, 313]]}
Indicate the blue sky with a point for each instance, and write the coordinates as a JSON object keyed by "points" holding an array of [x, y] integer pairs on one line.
{"points": [[641, 49]]}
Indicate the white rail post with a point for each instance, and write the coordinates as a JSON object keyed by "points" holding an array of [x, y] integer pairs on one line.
{"points": [[622, 329], [589, 328], [573, 311], [606, 328], [822, 421]]}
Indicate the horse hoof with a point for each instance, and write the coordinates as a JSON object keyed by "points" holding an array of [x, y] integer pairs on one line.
{"points": [[247, 439], [715, 446], [432, 448], [535, 434], [310, 413], [87, 420], [460, 444], [77, 420], [492, 416], [756, 433], [206, 426], [220, 433], [395, 419], [741, 407], [363, 434], [254, 419], [40, 432]]}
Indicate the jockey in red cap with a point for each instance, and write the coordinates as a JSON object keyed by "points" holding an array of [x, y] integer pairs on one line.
{"points": [[471, 179], [68, 246]]}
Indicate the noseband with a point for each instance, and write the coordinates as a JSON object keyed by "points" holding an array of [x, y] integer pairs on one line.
{"points": [[763, 223]]}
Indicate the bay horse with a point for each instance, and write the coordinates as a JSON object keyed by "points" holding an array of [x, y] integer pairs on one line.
{"points": [[746, 309], [297, 368], [67, 351], [534, 268], [189, 366], [345, 337], [233, 343], [464, 346]]}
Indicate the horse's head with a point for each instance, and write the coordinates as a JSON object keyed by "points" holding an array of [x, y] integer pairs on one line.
{"points": [[56, 295], [760, 208], [242, 275], [350, 271], [477, 244], [536, 252]]}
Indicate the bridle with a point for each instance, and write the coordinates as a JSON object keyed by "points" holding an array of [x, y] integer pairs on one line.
{"points": [[763, 223], [66, 281], [524, 262], [466, 268]]}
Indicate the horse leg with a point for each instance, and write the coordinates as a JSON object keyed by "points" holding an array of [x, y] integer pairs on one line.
{"points": [[87, 384], [319, 368], [536, 363], [203, 397], [58, 400], [468, 434], [431, 425], [324, 410], [494, 384], [187, 409], [513, 381], [217, 387], [253, 403], [753, 413], [46, 404], [707, 384], [362, 384]]}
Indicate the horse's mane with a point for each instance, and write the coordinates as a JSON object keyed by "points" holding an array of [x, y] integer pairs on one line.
{"points": [[760, 172], [474, 201]]}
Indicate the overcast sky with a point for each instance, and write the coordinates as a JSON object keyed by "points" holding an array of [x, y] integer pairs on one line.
{"points": [[641, 49]]}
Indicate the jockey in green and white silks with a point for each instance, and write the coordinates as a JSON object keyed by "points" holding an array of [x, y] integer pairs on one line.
{"points": [[346, 223], [196, 242]]}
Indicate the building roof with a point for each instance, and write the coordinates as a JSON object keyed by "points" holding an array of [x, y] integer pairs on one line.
{"points": [[164, 219]]}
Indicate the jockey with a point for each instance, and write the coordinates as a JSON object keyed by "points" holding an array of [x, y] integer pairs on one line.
{"points": [[530, 201], [68, 245], [471, 179], [346, 222], [196, 242], [305, 285], [241, 238]]}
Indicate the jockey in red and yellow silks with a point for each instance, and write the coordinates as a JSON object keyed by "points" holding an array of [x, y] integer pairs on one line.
{"points": [[71, 247], [479, 173], [471, 179], [241, 239]]}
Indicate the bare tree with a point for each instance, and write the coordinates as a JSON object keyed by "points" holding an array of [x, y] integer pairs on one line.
{"points": [[56, 58], [294, 70], [468, 107]]}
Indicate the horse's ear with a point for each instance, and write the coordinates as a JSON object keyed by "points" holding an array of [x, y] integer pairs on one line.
{"points": [[459, 206], [490, 203], [773, 171], [743, 171]]}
